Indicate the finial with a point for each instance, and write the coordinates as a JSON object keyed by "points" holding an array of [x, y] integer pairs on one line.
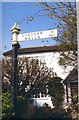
{"points": [[15, 26]]}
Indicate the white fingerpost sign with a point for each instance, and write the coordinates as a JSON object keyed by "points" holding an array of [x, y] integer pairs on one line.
{"points": [[37, 35]]}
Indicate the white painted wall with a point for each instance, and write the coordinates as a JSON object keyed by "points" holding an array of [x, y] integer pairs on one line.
{"points": [[51, 59]]}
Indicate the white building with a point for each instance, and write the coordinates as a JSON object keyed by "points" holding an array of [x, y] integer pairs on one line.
{"points": [[48, 55]]}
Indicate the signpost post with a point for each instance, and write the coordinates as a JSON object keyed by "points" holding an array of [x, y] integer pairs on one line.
{"points": [[15, 45]]}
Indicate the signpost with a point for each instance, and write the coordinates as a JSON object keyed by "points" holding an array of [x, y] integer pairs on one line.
{"points": [[16, 37], [37, 35], [15, 31]]}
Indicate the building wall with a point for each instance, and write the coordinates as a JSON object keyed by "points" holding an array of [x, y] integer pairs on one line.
{"points": [[51, 59]]}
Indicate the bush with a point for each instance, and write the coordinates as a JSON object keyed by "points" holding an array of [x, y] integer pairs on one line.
{"points": [[8, 110], [7, 106]]}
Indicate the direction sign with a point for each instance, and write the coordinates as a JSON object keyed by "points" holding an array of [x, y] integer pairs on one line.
{"points": [[37, 35]]}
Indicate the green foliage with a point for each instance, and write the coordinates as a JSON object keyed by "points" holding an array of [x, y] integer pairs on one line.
{"points": [[7, 106], [56, 90], [74, 107], [0, 106], [8, 110]]}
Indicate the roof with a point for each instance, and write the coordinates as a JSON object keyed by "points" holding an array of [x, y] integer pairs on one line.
{"points": [[72, 77], [55, 48]]}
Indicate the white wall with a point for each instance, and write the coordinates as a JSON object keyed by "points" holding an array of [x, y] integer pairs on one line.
{"points": [[51, 59]]}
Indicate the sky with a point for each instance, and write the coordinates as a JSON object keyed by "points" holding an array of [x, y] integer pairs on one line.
{"points": [[18, 11]]}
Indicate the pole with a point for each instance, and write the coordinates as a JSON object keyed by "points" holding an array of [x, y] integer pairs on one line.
{"points": [[15, 45], [14, 74]]}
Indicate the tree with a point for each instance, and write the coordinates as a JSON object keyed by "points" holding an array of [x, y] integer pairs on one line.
{"points": [[64, 13], [30, 74], [33, 76], [6, 75], [56, 90], [30, 77]]}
